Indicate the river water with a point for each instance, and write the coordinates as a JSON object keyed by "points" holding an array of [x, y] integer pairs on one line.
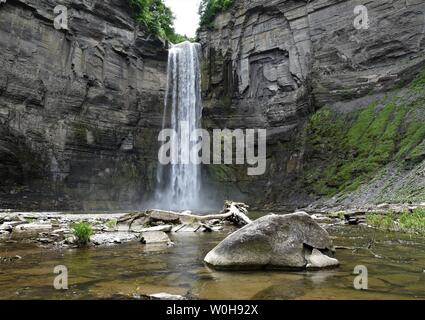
{"points": [[396, 265]]}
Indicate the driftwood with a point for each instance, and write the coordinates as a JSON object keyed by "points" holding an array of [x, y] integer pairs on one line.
{"points": [[235, 212]]}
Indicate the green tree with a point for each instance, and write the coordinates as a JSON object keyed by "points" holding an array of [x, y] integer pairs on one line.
{"points": [[209, 9], [157, 18]]}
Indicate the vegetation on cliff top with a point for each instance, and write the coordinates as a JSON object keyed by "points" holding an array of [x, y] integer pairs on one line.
{"points": [[209, 9], [157, 18], [350, 148]]}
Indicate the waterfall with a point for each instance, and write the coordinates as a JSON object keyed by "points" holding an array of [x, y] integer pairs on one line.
{"points": [[178, 185]]}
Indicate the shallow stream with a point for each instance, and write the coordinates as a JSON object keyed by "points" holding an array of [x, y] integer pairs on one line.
{"points": [[395, 263]]}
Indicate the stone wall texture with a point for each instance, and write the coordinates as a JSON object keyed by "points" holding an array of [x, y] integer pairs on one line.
{"points": [[79, 108], [270, 64]]}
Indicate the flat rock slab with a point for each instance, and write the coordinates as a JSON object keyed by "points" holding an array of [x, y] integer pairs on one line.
{"points": [[273, 241], [32, 227], [163, 228], [152, 237], [112, 238]]}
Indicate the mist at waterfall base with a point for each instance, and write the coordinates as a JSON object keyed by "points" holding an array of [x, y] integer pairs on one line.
{"points": [[179, 186]]}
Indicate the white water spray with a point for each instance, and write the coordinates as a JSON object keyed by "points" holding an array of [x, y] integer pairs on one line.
{"points": [[178, 185]]}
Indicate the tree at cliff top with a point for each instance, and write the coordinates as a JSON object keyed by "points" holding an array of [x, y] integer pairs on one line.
{"points": [[157, 18], [209, 9]]}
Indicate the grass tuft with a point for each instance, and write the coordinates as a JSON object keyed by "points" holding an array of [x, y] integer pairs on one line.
{"points": [[82, 231]]}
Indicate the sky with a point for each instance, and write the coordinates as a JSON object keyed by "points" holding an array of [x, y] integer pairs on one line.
{"points": [[186, 14]]}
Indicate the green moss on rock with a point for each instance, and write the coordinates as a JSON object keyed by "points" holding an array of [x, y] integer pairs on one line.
{"points": [[345, 150]]}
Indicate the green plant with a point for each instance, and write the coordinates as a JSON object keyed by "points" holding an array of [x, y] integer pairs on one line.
{"points": [[381, 221], [419, 83], [157, 18], [111, 224], [209, 9], [82, 231], [413, 221], [409, 222], [347, 149]]}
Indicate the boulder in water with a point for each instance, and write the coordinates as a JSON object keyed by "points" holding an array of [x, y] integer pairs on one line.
{"points": [[292, 241], [154, 237]]}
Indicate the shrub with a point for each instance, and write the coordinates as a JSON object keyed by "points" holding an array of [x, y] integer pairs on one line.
{"points": [[385, 222], [82, 231], [413, 222]]}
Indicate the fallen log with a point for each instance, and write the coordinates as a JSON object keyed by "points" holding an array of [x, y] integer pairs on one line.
{"points": [[235, 212]]}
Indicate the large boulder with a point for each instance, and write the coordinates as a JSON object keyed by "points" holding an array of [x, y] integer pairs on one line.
{"points": [[275, 241]]}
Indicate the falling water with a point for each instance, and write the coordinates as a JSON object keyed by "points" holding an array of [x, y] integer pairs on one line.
{"points": [[179, 184]]}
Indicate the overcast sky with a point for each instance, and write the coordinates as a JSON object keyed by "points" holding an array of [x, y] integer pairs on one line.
{"points": [[186, 13]]}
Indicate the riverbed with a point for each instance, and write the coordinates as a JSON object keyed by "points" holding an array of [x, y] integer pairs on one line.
{"points": [[395, 264]]}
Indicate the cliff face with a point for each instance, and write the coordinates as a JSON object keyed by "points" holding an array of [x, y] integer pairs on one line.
{"points": [[272, 64], [79, 108]]}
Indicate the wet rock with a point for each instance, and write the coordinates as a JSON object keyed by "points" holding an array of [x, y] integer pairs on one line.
{"points": [[70, 240], [10, 259], [4, 235], [166, 296], [318, 260], [152, 237], [8, 226], [206, 227], [21, 218], [62, 230], [273, 241], [383, 206], [32, 227], [320, 217], [163, 228], [112, 238], [44, 240], [353, 221]]}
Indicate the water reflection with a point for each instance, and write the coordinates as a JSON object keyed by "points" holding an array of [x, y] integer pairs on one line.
{"points": [[133, 268]]}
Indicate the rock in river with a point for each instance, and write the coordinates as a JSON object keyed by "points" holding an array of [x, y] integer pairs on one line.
{"points": [[156, 237], [275, 241]]}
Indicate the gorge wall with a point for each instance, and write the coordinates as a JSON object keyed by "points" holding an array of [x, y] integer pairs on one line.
{"points": [[343, 116], [79, 108]]}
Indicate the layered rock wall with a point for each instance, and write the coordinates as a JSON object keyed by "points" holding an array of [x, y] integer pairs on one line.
{"points": [[79, 108], [271, 64]]}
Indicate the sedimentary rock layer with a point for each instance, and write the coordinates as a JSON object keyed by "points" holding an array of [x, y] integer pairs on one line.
{"points": [[79, 108], [271, 64]]}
